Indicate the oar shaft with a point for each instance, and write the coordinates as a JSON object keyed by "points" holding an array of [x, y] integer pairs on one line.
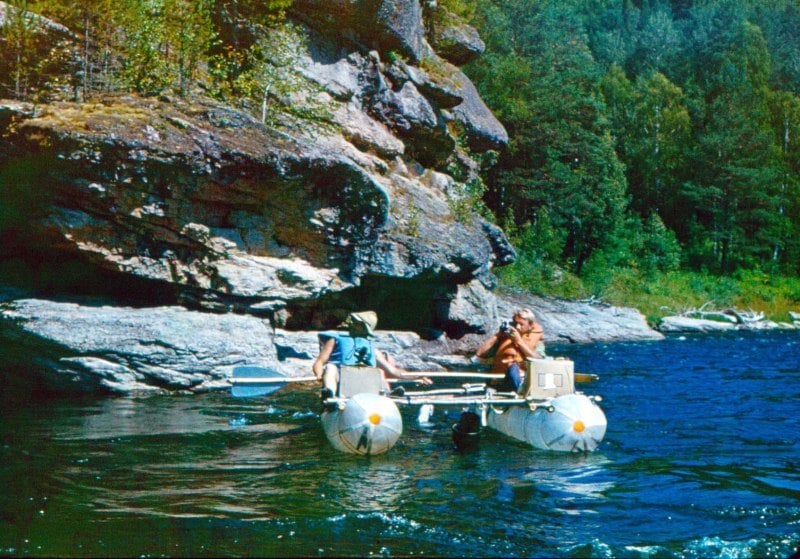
{"points": [[271, 380], [278, 380], [439, 374], [579, 377]]}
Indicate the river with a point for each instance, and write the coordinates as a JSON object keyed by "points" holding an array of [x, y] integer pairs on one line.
{"points": [[700, 460]]}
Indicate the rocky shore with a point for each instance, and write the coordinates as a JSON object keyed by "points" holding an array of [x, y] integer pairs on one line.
{"points": [[66, 346]]}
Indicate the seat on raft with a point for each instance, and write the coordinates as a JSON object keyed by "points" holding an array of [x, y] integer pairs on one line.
{"points": [[548, 378], [358, 380]]}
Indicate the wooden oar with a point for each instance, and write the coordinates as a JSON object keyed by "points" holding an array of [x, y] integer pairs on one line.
{"points": [[579, 377], [249, 381]]}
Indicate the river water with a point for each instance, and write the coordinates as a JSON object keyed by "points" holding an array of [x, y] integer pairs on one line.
{"points": [[701, 459]]}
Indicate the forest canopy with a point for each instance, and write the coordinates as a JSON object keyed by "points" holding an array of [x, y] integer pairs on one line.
{"points": [[647, 134]]}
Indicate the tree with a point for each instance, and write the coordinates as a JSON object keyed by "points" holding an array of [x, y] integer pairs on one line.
{"points": [[189, 35], [144, 66], [738, 184], [655, 145], [561, 156], [18, 34], [786, 235], [656, 41], [779, 21]]}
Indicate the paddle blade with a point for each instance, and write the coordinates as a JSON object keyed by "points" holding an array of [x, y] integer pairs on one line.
{"points": [[243, 391], [273, 381]]}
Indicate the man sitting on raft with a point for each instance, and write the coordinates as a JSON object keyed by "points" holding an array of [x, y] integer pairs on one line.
{"points": [[511, 345]]}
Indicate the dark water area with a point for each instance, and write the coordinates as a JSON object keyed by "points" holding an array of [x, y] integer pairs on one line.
{"points": [[701, 459]]}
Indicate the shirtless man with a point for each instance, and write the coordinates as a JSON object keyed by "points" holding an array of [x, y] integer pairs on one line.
{"points": [[511, 346]]}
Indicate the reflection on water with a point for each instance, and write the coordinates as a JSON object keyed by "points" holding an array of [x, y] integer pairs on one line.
{"points": [[584, 482]]}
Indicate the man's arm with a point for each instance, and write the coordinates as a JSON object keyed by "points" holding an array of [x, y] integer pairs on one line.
{"points": [[527, 344], [486, 347], [384, 364], [395, 372], [322, 358]]}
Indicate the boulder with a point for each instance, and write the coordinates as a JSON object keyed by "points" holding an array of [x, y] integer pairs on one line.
{"points": [[458, 42], [579, 321], [123, 349], [211, 202], [673, 324], [384, 25], [482, 128]]}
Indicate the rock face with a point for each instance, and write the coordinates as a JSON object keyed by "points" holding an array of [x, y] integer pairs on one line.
{"points": [[197, 236], [299, 221]]}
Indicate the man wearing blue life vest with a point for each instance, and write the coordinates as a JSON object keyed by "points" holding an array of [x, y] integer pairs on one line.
{"points": [[354, 349]]}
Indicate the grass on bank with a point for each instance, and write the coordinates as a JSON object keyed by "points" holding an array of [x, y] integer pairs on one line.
{"points": [[663, 294]]}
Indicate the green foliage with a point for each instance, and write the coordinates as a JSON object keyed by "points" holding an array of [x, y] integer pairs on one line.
{"points": [[538, 245], [561, 156], [29, 56], [147, 46], [263, 78], [264, 12], [469, 201], [665, 294], [527, 275], [143, 67], [657, 135], [450, 11], [659, 250], [189, 30]]}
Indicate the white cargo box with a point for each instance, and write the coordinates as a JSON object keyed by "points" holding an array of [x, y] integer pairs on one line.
{"points": [[548, 378], [357, 380]]}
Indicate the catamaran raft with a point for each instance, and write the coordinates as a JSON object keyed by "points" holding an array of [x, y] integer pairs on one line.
{"points": [[547, 412]]}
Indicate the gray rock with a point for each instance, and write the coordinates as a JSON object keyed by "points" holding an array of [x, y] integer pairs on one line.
{"points": [[579, 322], [123, 349], [384, 25], [458, 42], [210, 208], [41, 24], [483, 129], [685, 324], [444, 92]]}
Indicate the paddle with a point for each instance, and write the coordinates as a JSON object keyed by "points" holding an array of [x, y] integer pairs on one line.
{"points": [[250, 381], [579, 377]]}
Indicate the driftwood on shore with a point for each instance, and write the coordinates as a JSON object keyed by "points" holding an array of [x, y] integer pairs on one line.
{"points": [[732, 315], [708, 319]]}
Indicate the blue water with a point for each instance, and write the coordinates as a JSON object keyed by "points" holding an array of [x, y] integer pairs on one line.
{"points": [[700, 460]]}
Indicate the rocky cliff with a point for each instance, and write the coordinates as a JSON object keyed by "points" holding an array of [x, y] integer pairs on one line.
{"points": [[155, 242]]}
